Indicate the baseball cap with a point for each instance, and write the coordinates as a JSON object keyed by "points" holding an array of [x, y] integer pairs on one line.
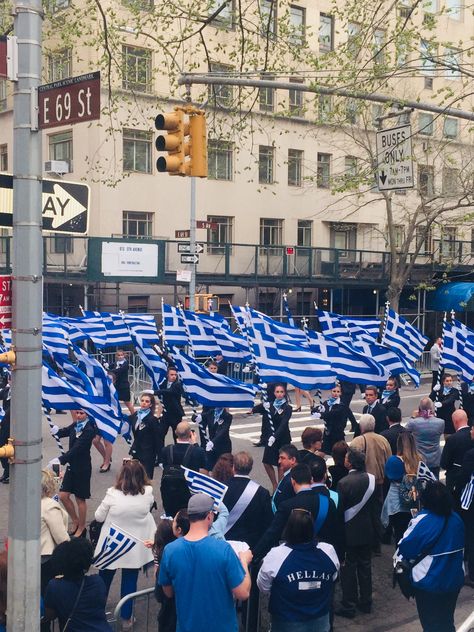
{"points": [[199, 504]]}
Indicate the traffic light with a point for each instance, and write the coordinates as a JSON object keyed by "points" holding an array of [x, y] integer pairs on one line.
{"points": [[198, 144], [173, 142]]}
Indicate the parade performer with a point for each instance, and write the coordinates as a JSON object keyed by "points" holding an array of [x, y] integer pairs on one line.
{"points": [[147, 434], [334, 414], [445, 398]]}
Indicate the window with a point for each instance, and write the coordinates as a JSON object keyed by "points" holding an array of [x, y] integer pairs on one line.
{"points": [[427, 54], [343, 237], [60, 4], [426, 180], [324, 108], [425, 122], [401, 51], [399, 236], [220, 158], [3, 95], [221, 96], [225, 17], [297, 24], [451, 183], [377, 112], [137, 150], [424, 240], [137, 304], [266, 302], [454, 9], [353, 39], [296, 107], [60, 147], [350, 166], [295, 167], [326, 33], [3, 157], [59, 65], [62, 244], [271, 234], [268, 17], [305, 233], [136, 71], [137, 224], [450, 128], [266, 96], [448, 241], [266, 159], [323, 171], [379, 47], [352, 111], [217, 238], [452, 59]]}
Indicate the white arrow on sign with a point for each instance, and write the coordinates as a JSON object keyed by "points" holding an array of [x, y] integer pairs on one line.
{"points": [[61, 206], [186, 247], [190, 259]]}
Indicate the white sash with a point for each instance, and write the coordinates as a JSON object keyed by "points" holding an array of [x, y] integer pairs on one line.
{"points": [[353, 511], [242, 504]]}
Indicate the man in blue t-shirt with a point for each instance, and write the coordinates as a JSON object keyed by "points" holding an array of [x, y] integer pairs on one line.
{"points": [[204, 574]]}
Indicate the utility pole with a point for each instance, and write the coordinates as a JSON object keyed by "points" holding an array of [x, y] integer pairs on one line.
{"points": [[23, 607], [192, 244]]}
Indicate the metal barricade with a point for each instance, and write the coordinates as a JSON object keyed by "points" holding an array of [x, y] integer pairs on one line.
{"points": [[141, 623]]}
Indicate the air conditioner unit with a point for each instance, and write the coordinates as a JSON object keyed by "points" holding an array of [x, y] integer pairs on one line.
{"points": [[59, 167]]}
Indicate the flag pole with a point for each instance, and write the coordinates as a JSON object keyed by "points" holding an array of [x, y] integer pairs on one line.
{"points": [[453, 314]]}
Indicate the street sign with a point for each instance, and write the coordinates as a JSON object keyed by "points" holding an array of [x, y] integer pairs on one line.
{"points": [[290, 250], [5, 302], [3, 56], [200, 223], [182, 234], [394, 158], [190, 259], [184, 276], [72, 100], [184, 246], [65, 205]]}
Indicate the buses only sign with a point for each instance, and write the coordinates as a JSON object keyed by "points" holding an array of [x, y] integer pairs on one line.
{"points": [[394, 159]]}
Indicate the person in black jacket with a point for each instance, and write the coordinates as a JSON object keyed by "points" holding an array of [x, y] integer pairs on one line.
{"points": [[467, 392], [375, 408], [467, 512], [5, 396], [394, 418], [455, 448], [170, 392], [334, 414], [218, 422], [305, 498], [276, 414], [390, 397], [77, 478], [119, 373], [445, 398], [147, 434]]}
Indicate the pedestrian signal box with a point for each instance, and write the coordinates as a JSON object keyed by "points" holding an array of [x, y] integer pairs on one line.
{"points": [[203, 303]]}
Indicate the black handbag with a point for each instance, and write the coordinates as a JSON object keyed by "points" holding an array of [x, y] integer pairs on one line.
{"points": [[403, 568], [95, 528]]}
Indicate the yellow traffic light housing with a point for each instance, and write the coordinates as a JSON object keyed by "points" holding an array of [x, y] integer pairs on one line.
{"points": [[198, 144]]}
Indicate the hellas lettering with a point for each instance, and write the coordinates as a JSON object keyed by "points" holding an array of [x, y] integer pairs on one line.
{"points": [[299, 575]]}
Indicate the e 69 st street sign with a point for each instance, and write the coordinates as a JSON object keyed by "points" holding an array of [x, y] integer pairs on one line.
{"points": [[394, 158]]}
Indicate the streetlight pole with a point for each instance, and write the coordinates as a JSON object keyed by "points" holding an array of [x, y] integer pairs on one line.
{"points": [[23, 607]]}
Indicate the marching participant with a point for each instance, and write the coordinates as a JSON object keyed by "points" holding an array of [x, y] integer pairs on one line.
{"points": [[147, 434], [390, 397], [334, 414], [445, 398]]}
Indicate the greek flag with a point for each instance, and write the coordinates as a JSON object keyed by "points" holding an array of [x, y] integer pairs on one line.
{"points": [[458, 349], [212, 389], [115, 546], [99, 377], [280, 361], [61, 394], [55, 335], [285, 332], [154, 365], [348, 328], [467, 494], [233, 347], [201, 484], [174, 327], [347, 362], [90, 327], [202, 337], [216, 320], [143, 326], [361, 327], [115, 327], [394, 363], [424, 473], [399, 334]]}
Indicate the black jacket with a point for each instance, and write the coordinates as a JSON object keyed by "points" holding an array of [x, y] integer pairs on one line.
{"points": [[380, 414], [447, 408], [365, 527], [283, 491], [79, 454], [453, 453], [219, 432], [468, 402], [147, 440], [331, 530], [335, 420], [280, 422], [171, 398], [392, 401], [257, 516], [467, 469], [391, 434], [120, 373]]}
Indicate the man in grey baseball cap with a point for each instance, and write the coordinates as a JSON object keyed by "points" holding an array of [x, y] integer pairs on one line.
{"points": [[204, 574]]}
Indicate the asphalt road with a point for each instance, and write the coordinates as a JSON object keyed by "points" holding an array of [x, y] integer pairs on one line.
{"points": [[391, 610]]}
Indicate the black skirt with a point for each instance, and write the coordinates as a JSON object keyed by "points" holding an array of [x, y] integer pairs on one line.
{"points": [[77, 483]]}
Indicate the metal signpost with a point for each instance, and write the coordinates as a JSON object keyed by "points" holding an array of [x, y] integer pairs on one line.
{"points": [[394, 158]]}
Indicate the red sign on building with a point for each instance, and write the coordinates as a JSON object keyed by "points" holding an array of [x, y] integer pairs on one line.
{"points": [[5, 302], [71, 100], [3, 56]]}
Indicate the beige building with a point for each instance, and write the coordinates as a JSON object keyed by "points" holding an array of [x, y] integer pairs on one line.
{"points": [[292, 191]]}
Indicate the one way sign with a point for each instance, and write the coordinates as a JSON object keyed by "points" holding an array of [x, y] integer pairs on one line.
{"points": [[65, 205]]}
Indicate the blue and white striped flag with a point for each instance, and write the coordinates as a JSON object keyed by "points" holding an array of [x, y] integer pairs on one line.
{"points": [[201, 484], [361, 327], [115, 546], [202, 336], [284, 331], [399, 334], [174, 327], [117, 330], [154, 364], [92, 327], [212, 389], [232, 345], [394, 362], [458, 349], [467, 494], [280, 361], [55, 335], [348, 328], [424, 473], [286, 307], [143, 326]]}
